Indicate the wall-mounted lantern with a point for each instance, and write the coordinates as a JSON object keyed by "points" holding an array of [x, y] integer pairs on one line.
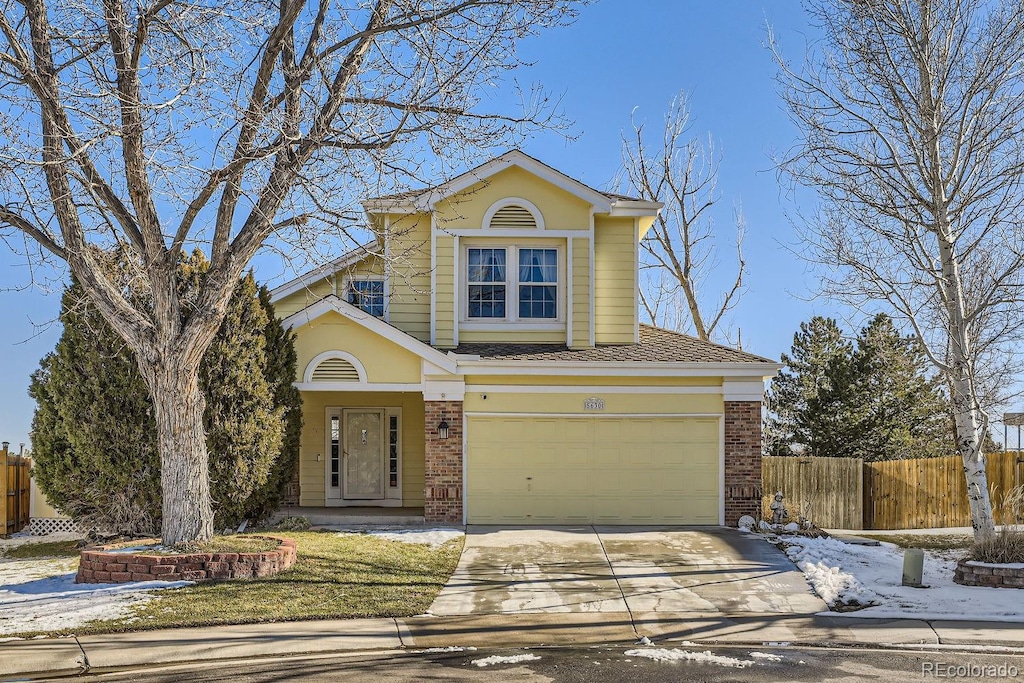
{"points": [[442, 429]]}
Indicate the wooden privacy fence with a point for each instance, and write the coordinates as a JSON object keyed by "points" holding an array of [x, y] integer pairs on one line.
{"points": [[847, 493], [932, 492], [15, 485], [828, 491]]}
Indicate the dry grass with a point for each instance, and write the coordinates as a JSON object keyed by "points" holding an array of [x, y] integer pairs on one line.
{"points": [[337, 576], [47, 549], [1006, 547], [924, 541]]}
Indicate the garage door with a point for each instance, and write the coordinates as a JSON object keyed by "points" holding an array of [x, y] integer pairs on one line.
{"points": [[600, 470]]}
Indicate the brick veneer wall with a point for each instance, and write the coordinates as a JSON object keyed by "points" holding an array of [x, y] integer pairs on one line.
{"points": [[102, 566], [443, 482], [742, 460], [969, 574]]}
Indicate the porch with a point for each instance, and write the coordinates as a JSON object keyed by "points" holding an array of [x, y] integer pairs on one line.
{"points": [[343, 516]]}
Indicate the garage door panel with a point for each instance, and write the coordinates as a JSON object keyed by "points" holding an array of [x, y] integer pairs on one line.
{"points": [[593, 470]]}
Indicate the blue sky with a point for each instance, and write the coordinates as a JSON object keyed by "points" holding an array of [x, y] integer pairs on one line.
{"points": [[620, 55]]}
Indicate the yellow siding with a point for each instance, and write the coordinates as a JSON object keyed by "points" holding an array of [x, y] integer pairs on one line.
{"points": [[580, 293], [383, 360], [589, 381], [655, 404], [313, 442], [615, 280], [445, 277], [561, 210], [296, 301], [409, 252]]}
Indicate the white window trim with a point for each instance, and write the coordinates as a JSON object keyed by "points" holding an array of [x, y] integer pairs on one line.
{"points": [[366, 277], [512, 290], [538, 217]]}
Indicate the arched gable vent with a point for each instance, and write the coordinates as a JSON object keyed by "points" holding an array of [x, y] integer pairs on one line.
{"points": [[513, 216], [335, 370]]}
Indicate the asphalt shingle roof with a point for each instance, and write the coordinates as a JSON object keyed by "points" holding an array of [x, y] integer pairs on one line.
{"points": [[656, 346]]}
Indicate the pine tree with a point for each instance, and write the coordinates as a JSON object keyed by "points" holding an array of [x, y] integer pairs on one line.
{"points": [[810, 398], [903, 412], [873, 400], [94, 437]]}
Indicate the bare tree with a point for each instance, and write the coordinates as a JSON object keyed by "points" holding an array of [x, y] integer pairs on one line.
{"points": [[912, 131], [158, 125], [679, 252]]}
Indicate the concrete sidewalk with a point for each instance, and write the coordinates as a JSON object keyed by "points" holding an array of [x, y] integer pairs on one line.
{"points": [[64, 656]]}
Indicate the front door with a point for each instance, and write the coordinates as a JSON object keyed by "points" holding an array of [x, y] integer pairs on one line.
{"points": [[363, 454]]}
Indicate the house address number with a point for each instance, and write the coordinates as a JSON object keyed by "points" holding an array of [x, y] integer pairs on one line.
{"points": [[593, 404]]}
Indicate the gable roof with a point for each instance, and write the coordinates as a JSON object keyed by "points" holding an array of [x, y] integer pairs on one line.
{"points": [[656, 346], [324, 271], [332, 303], [424, 199]]}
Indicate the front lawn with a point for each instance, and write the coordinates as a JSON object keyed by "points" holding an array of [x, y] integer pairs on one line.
{"points": [[336, 576], [936, 541]]}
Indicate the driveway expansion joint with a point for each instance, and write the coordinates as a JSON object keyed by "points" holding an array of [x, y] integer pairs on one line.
{"points": [[618, 583]]}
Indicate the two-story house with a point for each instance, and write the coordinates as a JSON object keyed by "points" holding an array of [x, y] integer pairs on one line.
{"points": [[482, 360]]}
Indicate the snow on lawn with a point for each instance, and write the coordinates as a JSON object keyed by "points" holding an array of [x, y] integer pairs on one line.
{"points": [[432, 537], [41, 595], [848, 574], [501, 659]]}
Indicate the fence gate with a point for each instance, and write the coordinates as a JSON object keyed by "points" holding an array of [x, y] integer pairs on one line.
{"points": [[16, 486], [828, 491]]}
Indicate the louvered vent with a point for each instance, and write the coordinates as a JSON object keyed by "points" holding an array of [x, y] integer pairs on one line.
{"points": [[335, 370], [512, 216]]}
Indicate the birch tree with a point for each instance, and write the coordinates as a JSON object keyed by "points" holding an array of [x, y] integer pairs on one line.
{"points": [[155, 126], [912, 135], [679, 253]]}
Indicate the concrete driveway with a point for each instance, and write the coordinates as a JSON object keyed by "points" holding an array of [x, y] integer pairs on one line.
{"points": [[639, 570]]}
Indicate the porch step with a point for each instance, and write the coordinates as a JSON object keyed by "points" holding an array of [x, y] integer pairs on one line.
{"points": [[354, 515]]}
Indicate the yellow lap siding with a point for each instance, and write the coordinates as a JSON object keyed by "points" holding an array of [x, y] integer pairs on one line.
{"points": [[444, 306], [615, 280], [572, 403], [581, 290], [409, 252], [296, 301], [384, 361]]}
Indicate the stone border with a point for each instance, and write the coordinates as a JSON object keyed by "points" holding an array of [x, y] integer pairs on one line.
{"points": [[971, 573], [99, 565]]}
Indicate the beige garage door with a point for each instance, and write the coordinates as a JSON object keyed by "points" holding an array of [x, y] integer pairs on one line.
{"points": [[600, 470]]}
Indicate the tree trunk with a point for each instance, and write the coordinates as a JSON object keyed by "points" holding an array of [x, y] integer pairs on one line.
{"points": [[184, 463]]}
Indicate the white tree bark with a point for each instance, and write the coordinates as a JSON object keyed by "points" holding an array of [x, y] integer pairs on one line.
{"points": [[910, 120]]}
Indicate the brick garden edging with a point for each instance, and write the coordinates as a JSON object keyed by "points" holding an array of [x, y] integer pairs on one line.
{"points": [[971, 573], [100, 565]]}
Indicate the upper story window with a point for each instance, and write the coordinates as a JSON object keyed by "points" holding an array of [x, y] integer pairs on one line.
{"points": [[530, 273], [367, 295]]}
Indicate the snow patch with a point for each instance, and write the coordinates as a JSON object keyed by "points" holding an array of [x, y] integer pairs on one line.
{"points": [[766, 656], [504, 659], [706, 657], [450, 648], [432, 537], [849, 574], [41, 595]]}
